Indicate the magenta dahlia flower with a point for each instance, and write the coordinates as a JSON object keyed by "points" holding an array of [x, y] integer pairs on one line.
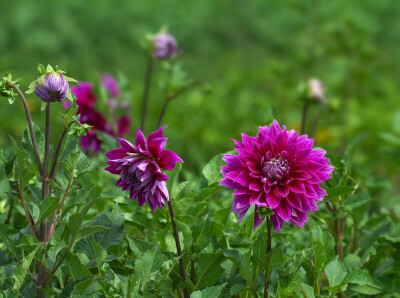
{"points": [[110, 84], [277, 169], [52, 86], [140, 167]]}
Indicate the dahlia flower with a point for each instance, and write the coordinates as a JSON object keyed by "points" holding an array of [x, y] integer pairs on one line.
{"points": [[277, 169], [140, 167], [52, 86], [164, 46]]}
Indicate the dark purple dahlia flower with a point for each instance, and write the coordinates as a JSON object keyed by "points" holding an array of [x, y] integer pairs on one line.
{"points": [[277, 169], [52, 86], [140, 167], [164, 46]]}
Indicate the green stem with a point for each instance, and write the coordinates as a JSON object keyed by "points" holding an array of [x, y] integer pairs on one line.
{"points": [[269, 240], [178, 246], [304, 117], [146, 90]]}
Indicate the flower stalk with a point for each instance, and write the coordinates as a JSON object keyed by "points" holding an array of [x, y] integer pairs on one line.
{"points": [[269, 240], [146, 91]]}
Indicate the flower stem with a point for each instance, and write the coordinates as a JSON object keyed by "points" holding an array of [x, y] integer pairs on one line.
{"points": [[146, 89], [172, 96], [178, 246], [29, 119], [45, 193], [269, 239], [303, 118]]}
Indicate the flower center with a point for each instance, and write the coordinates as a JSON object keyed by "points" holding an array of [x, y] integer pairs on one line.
{"points": [[133, 180], [276, 169]]}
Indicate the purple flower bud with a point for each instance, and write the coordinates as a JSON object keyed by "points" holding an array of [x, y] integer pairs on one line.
{"points": [[164, 46], [316, 90], [52, 86]]}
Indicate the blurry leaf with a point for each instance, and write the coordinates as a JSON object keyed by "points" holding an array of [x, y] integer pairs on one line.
{"points": [[360, 277], [292, 283], [309, 290], [337, 191], [88, 230], [351, 148], [173, 176], [211, 292], [70, 144], [201, 233], [356, 201], [148, 263], [335, 272], [352, 261], [209, 269], [47, 206], [299, 258], [77, 270], [23, 166], [21, 271]]}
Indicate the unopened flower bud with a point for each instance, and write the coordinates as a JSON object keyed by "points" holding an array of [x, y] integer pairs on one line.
{"points": [[164, 46], [52, 86], [316, 90]]}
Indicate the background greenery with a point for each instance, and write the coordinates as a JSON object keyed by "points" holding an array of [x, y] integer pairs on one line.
{"points": [[253, 54]]}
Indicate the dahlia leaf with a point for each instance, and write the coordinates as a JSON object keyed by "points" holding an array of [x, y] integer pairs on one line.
{"points": [[201, 233], [150, 262], [139, 246], [23, 166], [356, 201], [100, 254], [335, 272], [273, 260], [337, 191], [209, 269], [77, 270], [173, 176], [47, 206], [211, 170], [187, 233], [27, 142], [291, 284], [259, 249], [360, 277], [211, 292], [86, 288], [21, 271]]}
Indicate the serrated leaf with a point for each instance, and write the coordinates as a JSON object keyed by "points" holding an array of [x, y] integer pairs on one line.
{"points": [[286, 289], [88, 230], [86, 288], [211, 170], [356, 201], [335, 272], [27, 142], [209, 269], [187, 233], [148, 263], [21, 271], [201, 233], [139, 246], [259, 249], [273, 260], [360, 277], [47, 206], [211, 292], [100, 254], [77, 270]]}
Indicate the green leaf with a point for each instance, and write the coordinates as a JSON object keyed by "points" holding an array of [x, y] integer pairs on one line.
{"points": [[201, 233], [308, 290], [77, 270], [23, 165], [335, 272], [21, 271], [187, 233], [173, 176], [356, 201], [292, 283], [273, 260], [211, 292], [209, 269], [360, 277], [211, 170], [27, 143], [337, 191], [86, 288], [88, 230], [259, 249], [139, 246], [47, 206], [151, 261], [100, 254]]}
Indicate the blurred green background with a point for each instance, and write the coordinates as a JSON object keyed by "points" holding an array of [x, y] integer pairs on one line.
{"points": [[254, 54]]}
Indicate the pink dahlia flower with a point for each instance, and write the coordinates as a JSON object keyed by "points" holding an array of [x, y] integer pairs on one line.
{"points": [[277, 169], [140, 167], [111, 85]]}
